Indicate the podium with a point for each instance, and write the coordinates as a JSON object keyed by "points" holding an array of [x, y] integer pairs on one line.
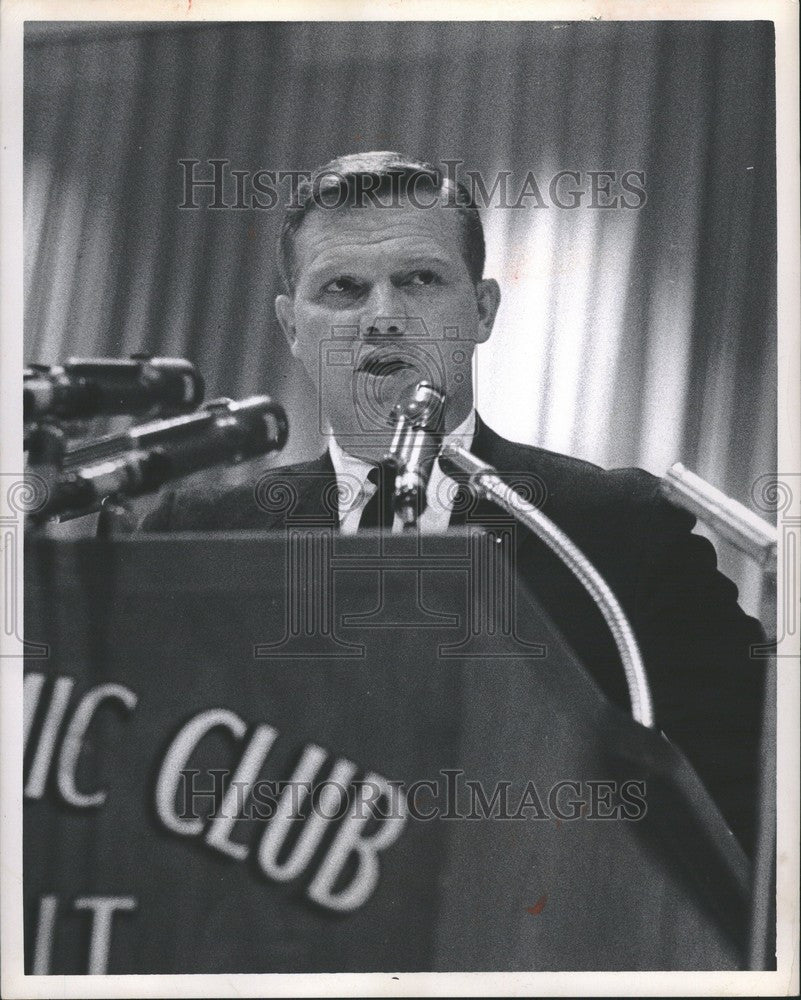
{"points": [[306, 752]]}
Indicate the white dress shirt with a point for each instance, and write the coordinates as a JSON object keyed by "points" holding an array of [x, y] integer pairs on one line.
{"points": [[355, 489]]}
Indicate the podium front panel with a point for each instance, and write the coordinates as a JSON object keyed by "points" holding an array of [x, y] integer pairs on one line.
{"points": [[315, 753]]}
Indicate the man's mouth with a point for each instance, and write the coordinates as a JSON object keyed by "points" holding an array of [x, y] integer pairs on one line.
{"points": [[379, 366], [381, 376]]}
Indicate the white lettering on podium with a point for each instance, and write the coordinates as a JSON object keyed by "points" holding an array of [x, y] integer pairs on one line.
{"points": [[315, 826], [31, 691], [48, 907], [56, 710], [102, 909], [73, 741], [349, 840], [238, 792], [74, 737], [176, 760], [331, 805]]}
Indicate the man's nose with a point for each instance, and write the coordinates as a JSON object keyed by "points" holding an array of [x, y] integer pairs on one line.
{"points": [[385, 315]]}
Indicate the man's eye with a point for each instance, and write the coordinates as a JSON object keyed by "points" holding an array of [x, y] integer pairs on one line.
{"points": [[423, 278], [341, 286]]}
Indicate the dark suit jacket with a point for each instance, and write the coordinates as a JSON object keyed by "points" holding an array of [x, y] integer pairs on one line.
{"points": [[693, 635]]}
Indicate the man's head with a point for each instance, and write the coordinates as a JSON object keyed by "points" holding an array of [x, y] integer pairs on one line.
{"points": [[382, 263]]}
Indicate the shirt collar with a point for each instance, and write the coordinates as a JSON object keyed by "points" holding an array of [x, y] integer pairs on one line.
{"points": [[353, 470]]}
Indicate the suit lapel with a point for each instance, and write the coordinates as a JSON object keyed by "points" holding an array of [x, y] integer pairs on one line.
{"points": [[304, 494], [487, 446], [317, 494]]}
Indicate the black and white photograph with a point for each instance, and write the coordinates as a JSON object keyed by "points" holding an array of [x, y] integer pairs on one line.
{"points": [[400, 500]]}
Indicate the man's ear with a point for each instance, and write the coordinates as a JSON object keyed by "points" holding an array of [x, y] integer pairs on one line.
{"points": [[488, 297], [285, 312]]}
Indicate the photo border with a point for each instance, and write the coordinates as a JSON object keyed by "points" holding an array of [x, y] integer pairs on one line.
{"points": [[784, 981]]}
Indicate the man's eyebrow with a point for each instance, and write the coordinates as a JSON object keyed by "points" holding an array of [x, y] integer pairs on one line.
{"points": [[344, 266], [424, 260]]}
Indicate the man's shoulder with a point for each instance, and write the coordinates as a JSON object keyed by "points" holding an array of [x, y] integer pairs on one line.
{"points": [[566, 482], [259, 502]]}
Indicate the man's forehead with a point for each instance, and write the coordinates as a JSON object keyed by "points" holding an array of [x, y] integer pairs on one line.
{"points": [[329, 236]]}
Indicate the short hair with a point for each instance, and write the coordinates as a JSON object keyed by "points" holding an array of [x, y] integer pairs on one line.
{"points": [[346, 180]]}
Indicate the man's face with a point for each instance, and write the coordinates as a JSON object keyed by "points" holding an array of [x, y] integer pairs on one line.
{"points": [[383, 299]]}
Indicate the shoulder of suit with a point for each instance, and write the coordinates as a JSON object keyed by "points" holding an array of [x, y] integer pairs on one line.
{"points": [[571, 479], [211, 507], [605, 511]]}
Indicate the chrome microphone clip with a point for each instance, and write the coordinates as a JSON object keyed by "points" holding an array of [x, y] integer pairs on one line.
{"points": [[418, 418]]}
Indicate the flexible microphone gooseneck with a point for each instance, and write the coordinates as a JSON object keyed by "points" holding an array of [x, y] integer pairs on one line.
{"points": [[484, 479]]}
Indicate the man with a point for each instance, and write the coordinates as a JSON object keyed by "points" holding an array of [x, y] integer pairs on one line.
{"points": [[382, 264]]}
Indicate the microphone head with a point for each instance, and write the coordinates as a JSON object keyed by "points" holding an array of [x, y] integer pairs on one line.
{"points": [[139, 384], [262, 423], [422, 406], [83, 388]]}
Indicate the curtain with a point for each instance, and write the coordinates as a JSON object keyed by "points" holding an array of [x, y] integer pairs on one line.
{"points": [[633, 336]]}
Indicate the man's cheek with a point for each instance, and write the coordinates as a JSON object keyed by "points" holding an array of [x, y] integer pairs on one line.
{"points": [[309, 357]]}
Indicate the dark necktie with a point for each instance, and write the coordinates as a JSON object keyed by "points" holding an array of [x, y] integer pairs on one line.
{"points": [[379, 511]]}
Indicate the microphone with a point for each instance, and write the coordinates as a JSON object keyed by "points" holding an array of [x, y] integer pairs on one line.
{"points": [[731, 519], [90, 387], [418, 418], [147, 456]]}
